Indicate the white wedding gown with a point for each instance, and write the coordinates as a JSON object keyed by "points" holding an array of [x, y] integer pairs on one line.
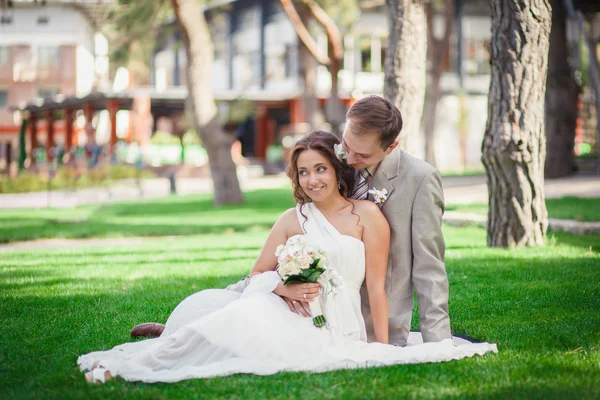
{"points": [[255, 332]]}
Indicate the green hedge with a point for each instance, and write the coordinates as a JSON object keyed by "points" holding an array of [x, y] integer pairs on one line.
{"points": [[68, 177]]}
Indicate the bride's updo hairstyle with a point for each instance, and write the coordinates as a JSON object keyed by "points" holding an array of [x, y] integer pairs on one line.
{"points": [[322, 142]]}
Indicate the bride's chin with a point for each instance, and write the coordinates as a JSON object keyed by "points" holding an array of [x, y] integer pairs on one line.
{"points": [[320, 198]]}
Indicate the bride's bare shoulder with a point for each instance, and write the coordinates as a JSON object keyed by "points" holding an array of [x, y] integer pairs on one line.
{"points": [[289, 214], [371, 217], [289, 221], [365, 208]]}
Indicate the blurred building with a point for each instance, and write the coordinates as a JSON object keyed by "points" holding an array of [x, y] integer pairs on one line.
{"points": [[50, 58], [257, 59], [46, 51]]}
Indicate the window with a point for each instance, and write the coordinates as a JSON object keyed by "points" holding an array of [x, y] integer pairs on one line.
{"points": [[3, 99], [3, 55], [219, 32], [48, 56], [48, 94], [365, 54], [291, 59], [372, 53], [6, 20], [247, 54], [477, 57], [279, 46], [383, 52]]}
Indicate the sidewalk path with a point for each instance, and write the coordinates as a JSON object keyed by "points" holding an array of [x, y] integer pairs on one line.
{"points": [[450, 218], [555, 225], [473, 189], [73, 243], [457, 190], [465, 190], [127, 190]]}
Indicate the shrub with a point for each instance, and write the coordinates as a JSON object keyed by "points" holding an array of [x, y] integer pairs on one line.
{"points": [[69, 177]]}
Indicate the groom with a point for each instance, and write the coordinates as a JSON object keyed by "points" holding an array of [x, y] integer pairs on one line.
{"points": [[409, 193]]}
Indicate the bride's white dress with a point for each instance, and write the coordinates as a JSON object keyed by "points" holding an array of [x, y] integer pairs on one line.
{"points": [[255, 332]]}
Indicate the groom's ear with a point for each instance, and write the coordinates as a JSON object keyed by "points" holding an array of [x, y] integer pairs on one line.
{"points": [[391, 147]]}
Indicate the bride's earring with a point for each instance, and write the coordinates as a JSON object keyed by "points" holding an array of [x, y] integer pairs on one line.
{"points": [[339, 185]]}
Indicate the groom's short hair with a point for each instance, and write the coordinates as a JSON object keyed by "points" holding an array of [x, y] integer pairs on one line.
{"points": [[376, 114]]}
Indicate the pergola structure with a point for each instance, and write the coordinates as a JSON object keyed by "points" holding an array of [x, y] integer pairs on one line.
{"points": [[142, 102], [146, 102]]}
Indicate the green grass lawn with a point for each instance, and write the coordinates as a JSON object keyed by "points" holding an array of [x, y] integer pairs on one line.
{"points": [[187, 215], [541, 306], [577, 208], [473, 170], [177, 215]]}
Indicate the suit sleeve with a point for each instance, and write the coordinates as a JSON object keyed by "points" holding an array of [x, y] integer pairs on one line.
{"points": [[429, 272]]}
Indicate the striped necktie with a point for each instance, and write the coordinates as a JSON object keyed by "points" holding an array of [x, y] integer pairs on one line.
{"points": [[362, 185]]}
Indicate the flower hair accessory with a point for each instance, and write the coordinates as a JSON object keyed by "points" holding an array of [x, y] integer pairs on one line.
{"points": [[380, 196], [340, 153]]}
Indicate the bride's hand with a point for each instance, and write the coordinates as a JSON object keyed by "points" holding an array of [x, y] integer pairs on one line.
{"points": [[297, 295]]}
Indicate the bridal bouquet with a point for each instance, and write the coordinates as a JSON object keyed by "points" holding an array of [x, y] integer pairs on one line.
{"points": [[301, 263]]}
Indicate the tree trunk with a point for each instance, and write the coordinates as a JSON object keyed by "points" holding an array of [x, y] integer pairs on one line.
{"points": [[514, 144], [432, 97], [437, 51], [561, 100], [200, 103], [405, 73], [308, 71], [335, 110]]}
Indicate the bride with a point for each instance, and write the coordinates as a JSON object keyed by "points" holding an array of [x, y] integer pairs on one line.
{"points": [[254, 331]]}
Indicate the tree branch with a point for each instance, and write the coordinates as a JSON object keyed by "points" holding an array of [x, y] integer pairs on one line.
{"points": [[303, 33], [333, 33], [449, 14]]}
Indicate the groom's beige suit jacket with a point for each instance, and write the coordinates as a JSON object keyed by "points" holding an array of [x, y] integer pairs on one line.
{"points": [[413, 208]]}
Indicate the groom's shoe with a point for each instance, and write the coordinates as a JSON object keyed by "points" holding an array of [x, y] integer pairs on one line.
{"points": [[147, 329]]}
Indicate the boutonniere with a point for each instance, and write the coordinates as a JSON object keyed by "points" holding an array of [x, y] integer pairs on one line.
{"points": [[340, 153], [380, 196]]}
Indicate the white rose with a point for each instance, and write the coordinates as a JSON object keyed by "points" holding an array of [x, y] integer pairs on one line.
{"points": [[294, 240], [283, 269], [295, 250], [295, 269], [283, 255], [336, 278], [279, 249], [322, 262], [304, 260], [309, 251]]}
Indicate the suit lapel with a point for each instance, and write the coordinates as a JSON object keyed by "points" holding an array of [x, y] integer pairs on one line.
{"points": [[388, 170], [381, 181]]}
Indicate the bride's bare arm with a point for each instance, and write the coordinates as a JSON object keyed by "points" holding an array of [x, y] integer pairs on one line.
{"points": [[376, 237], [281, 231], [286, 226]]}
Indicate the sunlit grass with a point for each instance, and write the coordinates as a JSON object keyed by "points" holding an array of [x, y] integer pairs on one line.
{"points": [[183, 215], [576, 208], [541, 306]]}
